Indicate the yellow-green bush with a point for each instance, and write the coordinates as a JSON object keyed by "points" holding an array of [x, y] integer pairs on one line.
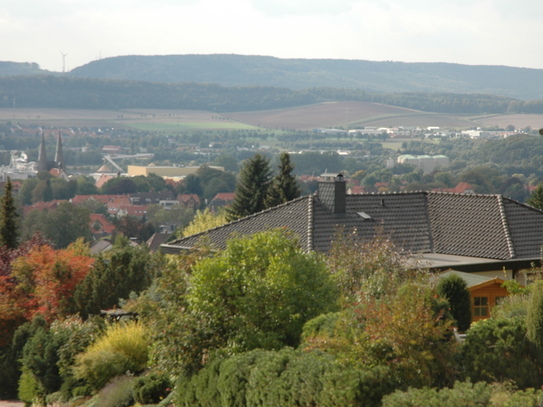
{"points": [[122, 349]]}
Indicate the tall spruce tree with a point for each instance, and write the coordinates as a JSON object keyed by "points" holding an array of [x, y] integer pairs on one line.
{"points": [[9, 232], [252, 188], [284, 187]]}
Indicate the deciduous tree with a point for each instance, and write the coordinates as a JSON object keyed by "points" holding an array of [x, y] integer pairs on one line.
{"points": [[205, 220], [114, 275], [405, 331], [61, 226], [47, 279], [259, 292]]}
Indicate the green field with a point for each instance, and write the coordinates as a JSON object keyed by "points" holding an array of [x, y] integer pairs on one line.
{"points": [[322, 115], [187, 125]]}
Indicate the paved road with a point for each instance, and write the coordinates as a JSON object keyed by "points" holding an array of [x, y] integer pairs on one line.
{"points": [[8, 403]]}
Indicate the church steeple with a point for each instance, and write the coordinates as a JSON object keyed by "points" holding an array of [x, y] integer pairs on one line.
{"points": [[42, 156], [59, 155]]}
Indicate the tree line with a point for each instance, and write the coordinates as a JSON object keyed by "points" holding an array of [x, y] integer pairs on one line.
{"points": [[90, 93]]}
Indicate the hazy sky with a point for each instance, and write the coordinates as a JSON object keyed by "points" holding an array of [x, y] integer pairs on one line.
{"points": [[487, 32]]}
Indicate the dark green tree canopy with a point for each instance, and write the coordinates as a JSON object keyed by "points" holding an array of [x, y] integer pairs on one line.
{"points": [[252, 187], [9, 231], [536, 198], [255, 298], [455, 290], [61, 226], [284, 187], [114, 275]]}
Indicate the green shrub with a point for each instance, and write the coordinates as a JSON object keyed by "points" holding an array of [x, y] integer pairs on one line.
{"points": [[40, 356], [302, 382], [324, 324], [234, 375], [466, 394], [455, 290], [200, 389], [511, 306], [534, 316], [118, 393], [12, 354], [285, 378], [521, 398], [462, 394], [29, 388], [122, 349], [81, 334], [263, 387], [353, 386], [97, 368], [152, 388], [497, 349]]}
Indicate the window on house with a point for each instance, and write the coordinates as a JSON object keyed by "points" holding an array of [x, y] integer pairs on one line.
{"points": [[480, 306]]}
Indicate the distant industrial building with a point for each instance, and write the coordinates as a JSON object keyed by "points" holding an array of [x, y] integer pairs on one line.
{"points": [[425, 162], [165, 172]]}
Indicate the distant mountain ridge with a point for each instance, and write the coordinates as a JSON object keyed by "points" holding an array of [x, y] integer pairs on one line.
{"points": [[8, 68], [371, 76]]}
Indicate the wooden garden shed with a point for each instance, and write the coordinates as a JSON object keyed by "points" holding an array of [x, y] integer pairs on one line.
{"points": [[485, 292]]}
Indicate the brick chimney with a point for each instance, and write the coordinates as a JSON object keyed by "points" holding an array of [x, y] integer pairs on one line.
{"points": [[332, 192]]}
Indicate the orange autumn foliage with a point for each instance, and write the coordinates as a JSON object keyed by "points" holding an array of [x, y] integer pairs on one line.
{"points": [[47, 278]]}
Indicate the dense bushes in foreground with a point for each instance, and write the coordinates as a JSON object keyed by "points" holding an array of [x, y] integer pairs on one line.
{"points": [[466, 394], [286, 377], [264, 324]]}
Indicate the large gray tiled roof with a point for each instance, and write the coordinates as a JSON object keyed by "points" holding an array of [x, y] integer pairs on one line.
{"points": [[485, 226], [294, 215]]}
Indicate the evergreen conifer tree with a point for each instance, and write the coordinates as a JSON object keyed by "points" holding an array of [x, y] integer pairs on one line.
{"points": [[9, 233], [536, 198], [252, 188], [455, 290], [284, 187]]}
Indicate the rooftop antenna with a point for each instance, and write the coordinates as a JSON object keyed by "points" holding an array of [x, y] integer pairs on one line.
{"points": [[63, 61]]}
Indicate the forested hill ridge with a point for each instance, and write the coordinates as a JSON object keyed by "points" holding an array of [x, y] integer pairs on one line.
{"points": [[371, 76], [22, 68]]}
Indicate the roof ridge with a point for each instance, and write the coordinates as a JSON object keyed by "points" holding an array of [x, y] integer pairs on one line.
{"points": [[523, 204], [505, 225], [424, 193], [461, 193]]}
